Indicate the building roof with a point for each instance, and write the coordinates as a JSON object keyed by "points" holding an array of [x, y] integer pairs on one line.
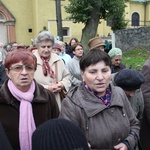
{"points": [[140, 0]]}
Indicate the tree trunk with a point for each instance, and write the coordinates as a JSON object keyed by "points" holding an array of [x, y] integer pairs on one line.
{"points": [[90, 29]]}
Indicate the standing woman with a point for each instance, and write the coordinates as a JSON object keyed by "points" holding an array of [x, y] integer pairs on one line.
{"points": [[63, 54], [51, 71], [24, 104], [116, 58], [71, 42], [101, 110], [73, 64]]}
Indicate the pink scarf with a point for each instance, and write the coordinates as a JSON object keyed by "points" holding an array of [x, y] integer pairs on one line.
{"points": [[26, 120], [47, 68]]}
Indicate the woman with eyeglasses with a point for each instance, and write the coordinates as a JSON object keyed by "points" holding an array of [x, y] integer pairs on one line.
{"points": [[51, 71], [73, 64], [116, 58], [24, 104]]}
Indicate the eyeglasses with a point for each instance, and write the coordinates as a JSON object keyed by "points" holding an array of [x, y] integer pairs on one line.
{"points": [[79, 49], [44, 46], [20, 68]]}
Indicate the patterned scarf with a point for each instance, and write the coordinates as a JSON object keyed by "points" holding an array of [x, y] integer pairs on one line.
{"points": [[26, 120], [46, 68], [105, 99]]}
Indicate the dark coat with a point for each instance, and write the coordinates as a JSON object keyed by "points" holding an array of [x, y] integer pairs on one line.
{"points": [[44, 108], [145, 125], [115, 69], [104, 127], [4, 143], [3, 76]]}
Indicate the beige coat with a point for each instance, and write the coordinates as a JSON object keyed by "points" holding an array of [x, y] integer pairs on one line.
{"points": [[63, 74]]}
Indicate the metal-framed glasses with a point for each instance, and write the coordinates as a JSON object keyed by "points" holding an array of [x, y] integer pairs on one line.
{"points": [[19, 68], [45, 46], [79, 49]]}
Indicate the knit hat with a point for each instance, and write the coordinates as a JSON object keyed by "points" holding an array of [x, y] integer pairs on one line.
{"points": [[59, 134], [56, 46], [114, 52], [95, 42], [129, 79]]}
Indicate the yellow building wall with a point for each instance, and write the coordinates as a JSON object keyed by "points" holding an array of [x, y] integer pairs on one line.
{"points": [[148, 14], [137, 7], [22, 11], [35, 14]]}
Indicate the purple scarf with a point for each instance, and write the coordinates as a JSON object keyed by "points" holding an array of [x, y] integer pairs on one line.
{"points": [[105, 99], [26, 120]]}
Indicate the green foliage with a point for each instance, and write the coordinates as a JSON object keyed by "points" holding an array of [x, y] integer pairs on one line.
{"points": [[79, 10], [135, 58], [114, 13], [111, 10]]}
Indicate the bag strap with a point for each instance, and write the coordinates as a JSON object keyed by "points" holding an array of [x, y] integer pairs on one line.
{"points": [[56, 71]]}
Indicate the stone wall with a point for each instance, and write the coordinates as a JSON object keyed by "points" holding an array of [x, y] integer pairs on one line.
{"points": [[128, 39]]}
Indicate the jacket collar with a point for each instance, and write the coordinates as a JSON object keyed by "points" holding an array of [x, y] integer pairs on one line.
{"points": [[91, 104], [7, 97], [53, 58]]}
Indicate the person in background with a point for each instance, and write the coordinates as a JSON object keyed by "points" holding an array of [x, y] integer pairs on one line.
{"points": [[68, 49], [56, 48], [145, 124], [116, 57], [14, 46], [63, 54], [59, 134], [3, 76], [96, 42], [4, 53], [8, 48], [73, 64], [107, 46], [1, 45], [51, 71], [100, 109], [24, 104], [130, 81]]}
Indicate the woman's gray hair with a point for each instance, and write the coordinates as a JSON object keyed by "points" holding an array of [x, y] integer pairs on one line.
{"points": [[44, 36]]}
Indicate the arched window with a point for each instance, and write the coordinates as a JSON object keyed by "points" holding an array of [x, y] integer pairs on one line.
{"points": [[135, 19], [1, 16]]}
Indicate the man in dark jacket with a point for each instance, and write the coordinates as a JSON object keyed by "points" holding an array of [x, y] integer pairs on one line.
{"points": [[145, 125]]}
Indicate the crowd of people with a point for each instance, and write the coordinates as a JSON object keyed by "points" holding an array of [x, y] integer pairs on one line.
{"points": [[105, 106]]}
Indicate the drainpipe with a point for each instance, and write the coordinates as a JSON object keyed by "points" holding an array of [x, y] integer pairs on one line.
{"points": [[145, 4]]}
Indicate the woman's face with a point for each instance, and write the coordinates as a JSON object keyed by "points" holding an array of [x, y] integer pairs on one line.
{"points": [[21, 75], [56, 51], [45, 48], [97, 77], [78, 51], [116, 60], [63, 48], [73, 42]]}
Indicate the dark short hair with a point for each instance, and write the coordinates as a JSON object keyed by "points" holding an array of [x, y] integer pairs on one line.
{"points": [[73, 47], [20, 55], [94, 56]]}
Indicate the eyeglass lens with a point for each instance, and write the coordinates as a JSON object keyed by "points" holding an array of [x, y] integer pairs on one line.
{"points": [[19, 68]]}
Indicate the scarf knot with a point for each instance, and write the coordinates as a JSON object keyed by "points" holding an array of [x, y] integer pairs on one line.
{"points": [[26, 120], [47, 68]]}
